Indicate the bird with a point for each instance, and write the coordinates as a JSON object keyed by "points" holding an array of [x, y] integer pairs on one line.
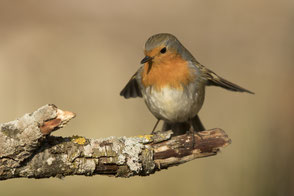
{"points": [[172, 83]]}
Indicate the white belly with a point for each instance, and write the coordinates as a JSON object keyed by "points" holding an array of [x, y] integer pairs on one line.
{"points": [[173, 105]]}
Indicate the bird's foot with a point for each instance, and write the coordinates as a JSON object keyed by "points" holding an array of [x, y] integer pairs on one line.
{"points": [[154, 132], [197, 133], [193, 133]]}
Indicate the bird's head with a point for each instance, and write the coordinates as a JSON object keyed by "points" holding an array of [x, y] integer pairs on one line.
{"points": [[162, 48]]}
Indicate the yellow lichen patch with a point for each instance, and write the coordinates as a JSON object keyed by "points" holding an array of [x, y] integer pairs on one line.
{"points": [[79, 140], [147, 137]]}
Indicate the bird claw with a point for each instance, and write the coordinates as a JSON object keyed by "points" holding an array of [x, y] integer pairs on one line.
{"points": [[191, 132]]}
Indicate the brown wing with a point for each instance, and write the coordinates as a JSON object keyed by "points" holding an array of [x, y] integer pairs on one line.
{"points": [[131, 90], [214, 80]]}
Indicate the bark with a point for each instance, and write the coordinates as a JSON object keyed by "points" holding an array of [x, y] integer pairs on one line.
{"points": [[28, 150]]}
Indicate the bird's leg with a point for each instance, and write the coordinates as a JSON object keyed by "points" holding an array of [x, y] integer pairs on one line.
{"points": [[191, 132], [153, 131], [194, 129]]}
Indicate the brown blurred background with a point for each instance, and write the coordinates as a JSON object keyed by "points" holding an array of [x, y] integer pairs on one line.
{"points": [[80, 54]]}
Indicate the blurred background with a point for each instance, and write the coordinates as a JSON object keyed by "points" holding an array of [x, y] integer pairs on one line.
{"points": [[80, 54]]}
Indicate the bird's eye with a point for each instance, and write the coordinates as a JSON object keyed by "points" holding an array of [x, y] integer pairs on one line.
{"points": [[163, 50]]}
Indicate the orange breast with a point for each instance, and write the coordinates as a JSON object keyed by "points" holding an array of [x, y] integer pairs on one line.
{"points": [[172, 71]]}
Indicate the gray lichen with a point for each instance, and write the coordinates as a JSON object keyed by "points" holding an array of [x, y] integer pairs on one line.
{"points": [[133, 148], [20, 137]]}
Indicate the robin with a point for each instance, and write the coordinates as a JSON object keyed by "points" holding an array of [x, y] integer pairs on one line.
{"points": [[172, 83]]}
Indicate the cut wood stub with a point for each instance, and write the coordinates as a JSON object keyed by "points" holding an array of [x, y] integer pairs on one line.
{"points": [[20, 138], [180, 149], [61, 118]]}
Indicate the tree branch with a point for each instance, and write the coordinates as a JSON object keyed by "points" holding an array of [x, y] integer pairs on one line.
{"points": [[27, 149]]}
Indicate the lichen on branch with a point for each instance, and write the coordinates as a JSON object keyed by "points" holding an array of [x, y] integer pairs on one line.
{"points": [[28, 150]]}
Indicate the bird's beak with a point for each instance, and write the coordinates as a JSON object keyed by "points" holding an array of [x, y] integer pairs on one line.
{"points": [[146, 59]]}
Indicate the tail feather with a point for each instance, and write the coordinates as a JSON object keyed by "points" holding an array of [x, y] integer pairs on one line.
{"points": [[197, 124], [183, 127]]}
